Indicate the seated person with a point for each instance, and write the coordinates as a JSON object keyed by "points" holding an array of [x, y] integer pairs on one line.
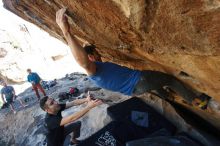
{"points": [[59, 127]]}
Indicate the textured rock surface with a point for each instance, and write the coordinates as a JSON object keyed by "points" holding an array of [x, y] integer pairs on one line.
{"points": [[179, 37], [169, 35]]}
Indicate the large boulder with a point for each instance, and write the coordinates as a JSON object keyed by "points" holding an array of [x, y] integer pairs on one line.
{"points": [[178, 37], [172, 36]]}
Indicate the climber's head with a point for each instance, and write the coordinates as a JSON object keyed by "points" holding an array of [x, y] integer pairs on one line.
{"points": [[93, 55], [49, 105]]}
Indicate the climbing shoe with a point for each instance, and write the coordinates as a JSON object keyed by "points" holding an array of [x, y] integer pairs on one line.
{"points": [[205, 100]]}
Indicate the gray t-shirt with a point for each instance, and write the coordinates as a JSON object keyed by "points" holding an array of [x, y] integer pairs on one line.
{"points": [[8, 91]]}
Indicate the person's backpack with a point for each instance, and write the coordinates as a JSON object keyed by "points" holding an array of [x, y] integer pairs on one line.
{"points": [[44, 84], [52, 83], [64, 95], [73, 91]]}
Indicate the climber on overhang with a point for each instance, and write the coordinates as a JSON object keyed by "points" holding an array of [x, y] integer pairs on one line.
{"points": [[122, 79]]}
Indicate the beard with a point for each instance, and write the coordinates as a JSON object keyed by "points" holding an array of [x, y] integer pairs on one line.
{"points": [[56, 109]]}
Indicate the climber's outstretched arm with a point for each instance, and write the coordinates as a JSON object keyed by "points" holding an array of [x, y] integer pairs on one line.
{"points": [[77, 50]]}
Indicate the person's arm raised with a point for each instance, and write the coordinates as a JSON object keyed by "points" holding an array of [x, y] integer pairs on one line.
{"points": [[77, 50], [78, 101], [91, 104]]}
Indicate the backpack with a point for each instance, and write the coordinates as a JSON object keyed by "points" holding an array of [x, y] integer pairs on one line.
{"points": [[73, 91], [64, 95]]}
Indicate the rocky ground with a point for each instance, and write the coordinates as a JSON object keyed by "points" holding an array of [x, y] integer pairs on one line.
{"points": [[25, 128]]}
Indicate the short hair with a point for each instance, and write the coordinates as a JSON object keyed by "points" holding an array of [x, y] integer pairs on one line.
{"points": [[90, 49], [42, 102], [28, 69]]}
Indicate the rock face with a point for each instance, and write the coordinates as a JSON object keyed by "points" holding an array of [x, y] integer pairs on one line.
{"points": [[171, 36], [178, 37]]}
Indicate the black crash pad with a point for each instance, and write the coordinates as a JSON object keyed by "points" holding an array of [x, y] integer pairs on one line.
{"points": [[165, 141], [123, 111], [115, 134]]}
